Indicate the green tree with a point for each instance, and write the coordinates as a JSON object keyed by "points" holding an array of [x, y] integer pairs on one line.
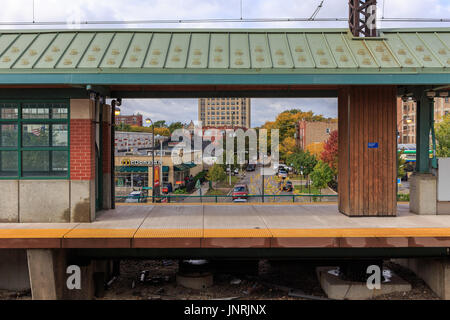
{"points": [[302, 161], [321, 175], [443, 137], [401, 164], [175, 125], [216, 173]]}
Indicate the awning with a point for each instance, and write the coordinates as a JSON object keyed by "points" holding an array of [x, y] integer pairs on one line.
{"points": [[184, 166], [131, 169]]}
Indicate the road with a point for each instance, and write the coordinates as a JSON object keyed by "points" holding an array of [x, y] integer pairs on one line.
{"points": [[253, 180]]}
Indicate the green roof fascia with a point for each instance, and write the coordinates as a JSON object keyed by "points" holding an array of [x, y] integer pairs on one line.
{"points": [[225, 79]]}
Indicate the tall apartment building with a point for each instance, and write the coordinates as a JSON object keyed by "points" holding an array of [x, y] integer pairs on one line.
{"points": [[406, 117], [133, 120], [224, 112]]}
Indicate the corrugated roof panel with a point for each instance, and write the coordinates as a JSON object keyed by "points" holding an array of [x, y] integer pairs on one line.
{"points": [[198, 51], [56, 49], [75, 50], [401, 51], [5, 41], [439, 48], [96, 51], [300, 50], [278, 44], [239, 51], [117, 50], [382, 54], [420, 50], [260, 53], [361, 54], [40, 44], [219, 51], [321, 53], [157, 52], [342, 54], [178, 51], [16, 50], [137, 50]]}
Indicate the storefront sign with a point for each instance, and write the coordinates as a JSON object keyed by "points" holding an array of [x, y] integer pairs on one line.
{"points": [[138, 163], [157, 176]]}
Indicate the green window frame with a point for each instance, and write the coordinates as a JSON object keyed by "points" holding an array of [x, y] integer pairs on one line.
{"points": [[35, 139]]}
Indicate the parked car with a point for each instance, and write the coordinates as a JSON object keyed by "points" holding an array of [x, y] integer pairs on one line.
{"points": [[251, 167], [286, 186], [240, 192], [135, 197], [282, 174]]}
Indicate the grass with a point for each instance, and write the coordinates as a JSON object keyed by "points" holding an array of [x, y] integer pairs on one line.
{"points": [[225, 184], [215, 192], [403, 197], [305, 190]]}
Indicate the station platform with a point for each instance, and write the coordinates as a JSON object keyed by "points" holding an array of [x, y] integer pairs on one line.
{"points": [[232, 226]]}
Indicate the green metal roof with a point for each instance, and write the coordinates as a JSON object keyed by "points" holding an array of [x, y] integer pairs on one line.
{"points": [[224, 51]]}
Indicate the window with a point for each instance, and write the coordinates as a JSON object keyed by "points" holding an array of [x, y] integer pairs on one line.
{"points": [[34, 140]]}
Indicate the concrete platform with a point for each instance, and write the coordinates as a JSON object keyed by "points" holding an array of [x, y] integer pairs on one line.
{"points": [[233, 226]]}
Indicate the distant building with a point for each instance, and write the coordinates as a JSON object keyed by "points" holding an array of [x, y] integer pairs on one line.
{"points": [[224, 112], [132, 141], [309, 132], [406, 117], [133, 120]]}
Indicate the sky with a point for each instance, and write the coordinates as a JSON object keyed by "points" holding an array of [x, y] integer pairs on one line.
{"points": [[184, 110]]}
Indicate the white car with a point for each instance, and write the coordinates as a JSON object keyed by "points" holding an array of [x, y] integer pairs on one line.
{"points": [[282, 173], [135, 197]]}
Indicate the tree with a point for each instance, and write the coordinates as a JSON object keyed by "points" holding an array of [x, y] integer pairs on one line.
{"points": [[330, 152], [302, 161], [160, 124], [287, 147], [443, 137], [315, 148], [401, 164], [216, 173], [175, 125], [322, 175]]}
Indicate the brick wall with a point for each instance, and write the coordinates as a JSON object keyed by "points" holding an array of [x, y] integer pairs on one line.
{"points": [[82, 152]]}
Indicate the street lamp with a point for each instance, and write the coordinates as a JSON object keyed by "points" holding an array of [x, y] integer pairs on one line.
{"points": [[149, 121], [117, 111]]}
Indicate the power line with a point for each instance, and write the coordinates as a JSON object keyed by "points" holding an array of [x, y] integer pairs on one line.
{"points": [[218, 20]]}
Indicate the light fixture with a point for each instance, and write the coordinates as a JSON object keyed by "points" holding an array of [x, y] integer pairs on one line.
{"points": [[117, 111], [431, 94], [148, 121], [443, 94]]}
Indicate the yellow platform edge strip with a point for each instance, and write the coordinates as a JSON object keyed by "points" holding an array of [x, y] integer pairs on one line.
{"points": [[221, 233]]}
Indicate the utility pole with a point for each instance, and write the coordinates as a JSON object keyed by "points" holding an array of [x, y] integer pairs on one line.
{"points": [[362, 18]]}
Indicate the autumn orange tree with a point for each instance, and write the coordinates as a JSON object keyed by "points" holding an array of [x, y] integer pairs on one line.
{"points": [[286, 123]]}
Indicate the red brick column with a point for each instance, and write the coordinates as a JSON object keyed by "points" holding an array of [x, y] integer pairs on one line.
{"points": [[82, 152]]}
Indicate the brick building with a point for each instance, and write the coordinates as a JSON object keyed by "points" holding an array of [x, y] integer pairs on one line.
{"points": [[132, 120], [314, 131], [406, 117]]}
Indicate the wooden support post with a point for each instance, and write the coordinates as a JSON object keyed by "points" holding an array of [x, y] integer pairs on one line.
{"points": [[367, 150]]}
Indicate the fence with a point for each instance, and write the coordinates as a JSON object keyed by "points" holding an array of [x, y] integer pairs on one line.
{"points": [[267, 198]]}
